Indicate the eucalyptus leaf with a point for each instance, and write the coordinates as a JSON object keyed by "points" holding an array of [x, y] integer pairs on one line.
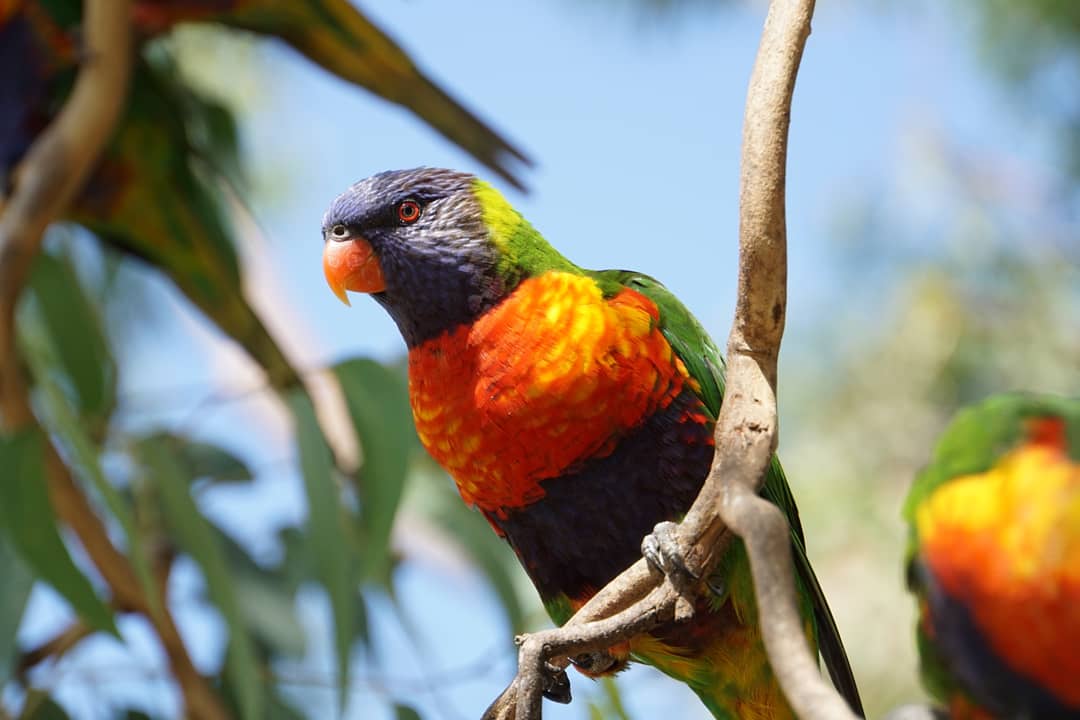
{"points": [[438, 501], [267, 595], [39, 706], [83, 457], [270, 614], [378, 401], [328, 536], [197, 536], [205, 461], [75, 330], [15, 589], [26, 515], [404, 712]]}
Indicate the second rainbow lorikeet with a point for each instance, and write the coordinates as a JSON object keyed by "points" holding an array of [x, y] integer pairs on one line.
{"points": [[995, 560], [573, 408]]}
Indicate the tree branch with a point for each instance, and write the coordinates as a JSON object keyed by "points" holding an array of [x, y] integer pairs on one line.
{"points": [[746, 432], [49, 177]]}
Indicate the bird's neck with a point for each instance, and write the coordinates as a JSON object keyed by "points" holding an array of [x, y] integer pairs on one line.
{"points": [[434, 294]]}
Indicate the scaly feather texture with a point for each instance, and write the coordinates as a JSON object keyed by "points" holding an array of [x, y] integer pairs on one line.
{"points": [[574, 408], [996, 560]]}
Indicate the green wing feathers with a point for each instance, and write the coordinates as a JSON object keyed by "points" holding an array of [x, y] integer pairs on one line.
{"points": [[706, 365]]}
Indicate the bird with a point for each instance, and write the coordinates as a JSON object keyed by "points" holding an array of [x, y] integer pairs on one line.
{"points": [[994, 560], [573, 408], [162, 189]]}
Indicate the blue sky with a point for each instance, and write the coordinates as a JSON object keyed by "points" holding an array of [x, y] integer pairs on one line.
{"points": [[635, 127]]}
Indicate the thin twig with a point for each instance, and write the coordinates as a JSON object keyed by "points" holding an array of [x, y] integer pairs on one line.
{"points": [[746, 432], [54, 648], [49, 177]]}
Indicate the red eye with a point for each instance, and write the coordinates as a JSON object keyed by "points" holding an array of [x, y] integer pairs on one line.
{"points": [[408, 211]]}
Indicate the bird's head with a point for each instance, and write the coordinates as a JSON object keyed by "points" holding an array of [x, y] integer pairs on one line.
{"points": [[435, 247]]}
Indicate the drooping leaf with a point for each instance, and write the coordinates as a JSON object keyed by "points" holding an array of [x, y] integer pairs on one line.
{"points": [[205, 461], [155, 196], [328, 537], [39, 706], [26, 515], [267, 596], [362, 629], [297, 564], [437, 500], [82, 452], [270, 615], [404, 712], [274, 706], [614, 703], [378, 403], [75, 329], [197, 537], [339, 37], [14, 592]]}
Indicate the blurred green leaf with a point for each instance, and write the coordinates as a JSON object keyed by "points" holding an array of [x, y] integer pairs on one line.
{"points": [[75, 330], [274, 706], [268, 598], [404, 712], [437, 499], [339, 37], [82, 453], [297, 563], [39, 706], [614, 705], [203, 460], [362, 628], [270, 614], [27, 517], [196, 536], [326, 530], [156, 195], [378, 401], [14, 592]]}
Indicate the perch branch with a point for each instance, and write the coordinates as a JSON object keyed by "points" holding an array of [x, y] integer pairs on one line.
{"points": [[746, 432], [49, 177]]}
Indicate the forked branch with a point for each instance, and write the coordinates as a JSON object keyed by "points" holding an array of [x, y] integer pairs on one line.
{"points": [[746, 433]]}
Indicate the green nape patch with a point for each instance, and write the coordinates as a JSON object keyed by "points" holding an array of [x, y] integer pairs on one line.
{"points": [[524, 251]]}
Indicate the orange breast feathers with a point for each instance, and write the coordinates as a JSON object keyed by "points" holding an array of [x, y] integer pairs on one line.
{"points": [[552, 376], [1007, 544]]}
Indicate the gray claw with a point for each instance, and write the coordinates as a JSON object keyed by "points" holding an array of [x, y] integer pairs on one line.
{"points": [[661, 548]]}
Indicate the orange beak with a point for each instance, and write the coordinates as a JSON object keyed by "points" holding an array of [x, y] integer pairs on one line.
{"points": [[352, 265]]}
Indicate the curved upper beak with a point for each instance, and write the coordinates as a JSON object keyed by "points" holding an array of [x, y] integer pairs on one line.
{"points": [[352, 265]]}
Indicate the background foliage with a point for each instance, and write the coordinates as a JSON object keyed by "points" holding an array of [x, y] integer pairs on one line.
{"points": [[950, 277]]}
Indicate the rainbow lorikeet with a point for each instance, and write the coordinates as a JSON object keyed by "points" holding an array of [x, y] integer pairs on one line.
{"points": [[573, 408], [995, 560]]}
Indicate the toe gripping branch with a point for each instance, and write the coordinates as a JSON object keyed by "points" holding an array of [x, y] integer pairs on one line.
{"points": [[664, 551]]}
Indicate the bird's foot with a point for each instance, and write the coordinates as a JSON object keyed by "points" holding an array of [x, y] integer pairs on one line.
{"points": [[662, 549], [556, 684]]}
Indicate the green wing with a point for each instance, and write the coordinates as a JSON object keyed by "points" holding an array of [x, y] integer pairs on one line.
{"points": [[706, 365]]}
